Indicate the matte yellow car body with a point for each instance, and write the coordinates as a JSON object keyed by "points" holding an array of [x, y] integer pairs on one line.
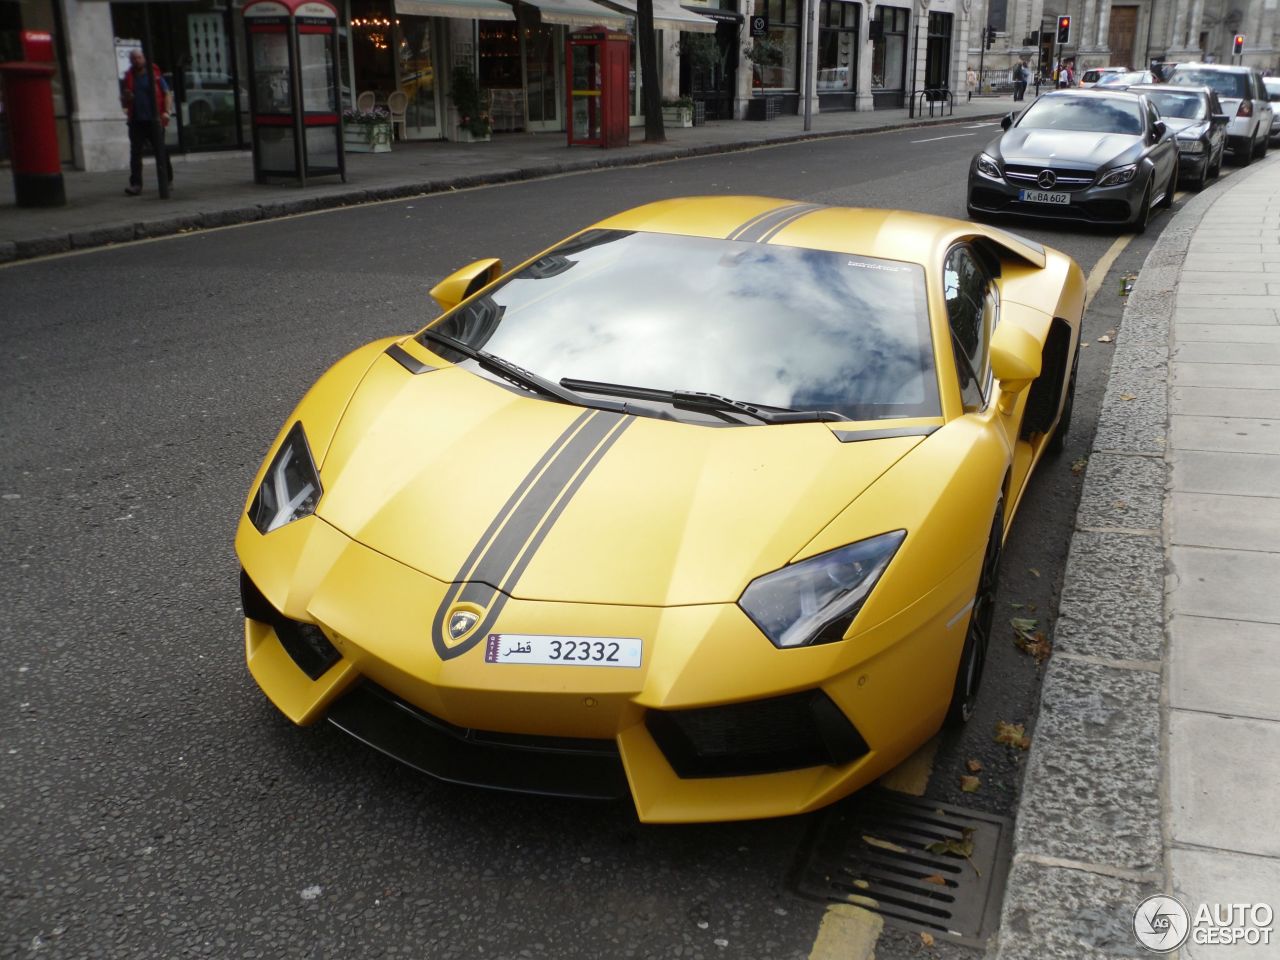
{"points": [[660, 540]]}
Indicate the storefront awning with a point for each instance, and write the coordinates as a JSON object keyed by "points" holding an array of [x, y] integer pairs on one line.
{"points": [[669, 15], [578, 13], [460, 9], [714, 13]]}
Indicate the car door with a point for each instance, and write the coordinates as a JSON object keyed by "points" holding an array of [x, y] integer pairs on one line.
{"points": [[1217, 130], [1262, 103], [1163, 149]]}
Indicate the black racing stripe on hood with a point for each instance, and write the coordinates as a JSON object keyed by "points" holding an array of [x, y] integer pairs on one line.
{"points": [[507, 547]]}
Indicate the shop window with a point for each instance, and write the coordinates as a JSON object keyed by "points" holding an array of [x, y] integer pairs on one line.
{"points": [[784, 31], [837, 45], [938, 52], [889, 49]]}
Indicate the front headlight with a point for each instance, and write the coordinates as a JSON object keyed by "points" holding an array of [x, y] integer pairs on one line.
{"points": [[291, 488], [1119, 175], [1190, 146], [814, 601], [988, 167]]}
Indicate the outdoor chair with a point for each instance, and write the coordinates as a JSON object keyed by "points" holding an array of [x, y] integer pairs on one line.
{"points": [[397, 102], [366, 101]]}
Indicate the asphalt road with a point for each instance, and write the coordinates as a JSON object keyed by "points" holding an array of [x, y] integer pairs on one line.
{"points": [[154, 804]]}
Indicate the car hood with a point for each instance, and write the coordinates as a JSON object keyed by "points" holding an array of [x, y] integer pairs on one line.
{"points": [[465, 480], [1047, 147]]}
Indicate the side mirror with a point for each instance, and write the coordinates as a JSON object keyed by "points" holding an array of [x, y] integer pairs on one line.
{"points": [[1015, 362], [1221, 119], [460, 284], [1159, 128], [1006, 121]]}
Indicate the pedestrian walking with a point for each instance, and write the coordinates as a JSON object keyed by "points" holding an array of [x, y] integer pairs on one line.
{"points": [[141, 101], [1021, 75], [971, 80]]}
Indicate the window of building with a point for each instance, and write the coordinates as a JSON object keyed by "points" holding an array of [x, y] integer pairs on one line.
{"points": [[889, 49], [837, 45], [938, 52], [784, 30]]}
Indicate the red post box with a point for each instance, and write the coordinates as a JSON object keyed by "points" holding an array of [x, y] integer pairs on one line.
{"points": [[597, 67], [33, 137]]}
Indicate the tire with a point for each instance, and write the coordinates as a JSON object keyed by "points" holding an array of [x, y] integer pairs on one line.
{"points": [[1202, 181], [1058, 442], [1262, 146], [1216, 172], [1244, 157], [977, 636], [1171, 188], [1139, 223]]}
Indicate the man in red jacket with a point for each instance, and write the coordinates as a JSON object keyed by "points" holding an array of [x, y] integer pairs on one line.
{"points": [[141, 100]]}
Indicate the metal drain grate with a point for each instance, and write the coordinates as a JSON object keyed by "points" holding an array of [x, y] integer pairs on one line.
{"points": [[874, 851]]}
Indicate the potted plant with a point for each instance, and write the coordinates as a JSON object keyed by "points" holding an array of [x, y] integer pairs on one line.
{"points": [[472, 104], [367, 131], [678, 112]]}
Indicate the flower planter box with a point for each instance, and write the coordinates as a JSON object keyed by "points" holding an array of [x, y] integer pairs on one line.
{"points": [[677, 116], [367, 137], [763, 108], [466, 136]]}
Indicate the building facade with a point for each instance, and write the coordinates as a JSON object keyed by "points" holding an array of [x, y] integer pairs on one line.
{"points": [[1128, 33]]}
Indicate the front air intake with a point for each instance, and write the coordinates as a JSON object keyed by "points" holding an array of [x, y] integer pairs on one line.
{"points": [[759, 736], [305, 643]]}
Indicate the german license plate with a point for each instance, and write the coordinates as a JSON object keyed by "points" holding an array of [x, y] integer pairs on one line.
{"points": [[563, 651], [1043, 196]]}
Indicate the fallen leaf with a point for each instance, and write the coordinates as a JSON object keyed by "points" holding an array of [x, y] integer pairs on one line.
{"points": [[974, 766], [1127, 396], [1036, 644], [1034, 572], [862, 885], [1024, 623], [1084, 346], [935, 878], [926, 938], [883, 844], [1017, 606], [1077, 466], [962, 847], [970, 784], [1120, 504], [1014, 734]]}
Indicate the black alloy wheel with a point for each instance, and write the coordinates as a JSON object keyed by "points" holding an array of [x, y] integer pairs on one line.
{"points": [[1143, 217], [1058, 442], [977, 638], [1202, 181]]}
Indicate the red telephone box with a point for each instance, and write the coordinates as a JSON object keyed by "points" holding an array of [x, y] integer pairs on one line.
{"points": [[33, 136], [598, 72], [293, 89]]}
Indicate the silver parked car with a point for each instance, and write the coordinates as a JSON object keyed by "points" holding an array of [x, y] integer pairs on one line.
{"points": [[1244, 99], [1272, 85], [1092, 155], [1199, 127]]}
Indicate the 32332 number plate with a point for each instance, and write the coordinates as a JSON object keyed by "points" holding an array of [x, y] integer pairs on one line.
{"points": [[563, 651]]}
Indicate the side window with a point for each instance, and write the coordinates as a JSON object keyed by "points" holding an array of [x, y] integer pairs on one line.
{"points": [[1152, 114], [970, 299]]}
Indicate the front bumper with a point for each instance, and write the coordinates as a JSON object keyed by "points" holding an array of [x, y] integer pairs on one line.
{"points": [[1092, 204], [593, 731]]}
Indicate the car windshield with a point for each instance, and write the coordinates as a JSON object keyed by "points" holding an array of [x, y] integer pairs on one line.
{"points": [[1185, 106], [1084, 112], [1121, 79], [1273, 87], [1231, 85], [760, 323]]}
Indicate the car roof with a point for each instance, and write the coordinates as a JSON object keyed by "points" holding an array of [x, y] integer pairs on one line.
{"points": [[888, 234], [1093, 93], [1169, 87], [1220, 67]]}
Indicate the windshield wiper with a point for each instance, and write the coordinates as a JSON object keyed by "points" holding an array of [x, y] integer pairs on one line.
{"points": [[703, 402], [517, 375]]}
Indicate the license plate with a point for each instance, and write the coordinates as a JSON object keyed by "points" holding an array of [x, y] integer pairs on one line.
{"points": [[563, 651], [1043, 196]]}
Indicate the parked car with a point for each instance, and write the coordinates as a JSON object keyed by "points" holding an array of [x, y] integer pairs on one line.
{"points": [[1126, 79], [1244, 99], [1199, 128], [1096, 155], [1272, 86], [1094, 74], [729, 547]]}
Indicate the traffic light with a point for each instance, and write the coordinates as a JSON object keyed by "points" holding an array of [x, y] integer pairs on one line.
{"points": [[1238, 45], [989, 36], [1064, 30]]}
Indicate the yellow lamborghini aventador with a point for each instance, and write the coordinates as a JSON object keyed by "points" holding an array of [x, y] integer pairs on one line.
{"points": [[704, 505]]}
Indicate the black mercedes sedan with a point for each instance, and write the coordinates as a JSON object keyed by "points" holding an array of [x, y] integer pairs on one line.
{"points": [[1199, 128], [1098, 156]]}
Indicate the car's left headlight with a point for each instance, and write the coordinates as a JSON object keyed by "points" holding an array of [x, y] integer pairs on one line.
{"points": [[291, 489], [988, 167], [1186, 145], [814, 601], [1119, 175]]}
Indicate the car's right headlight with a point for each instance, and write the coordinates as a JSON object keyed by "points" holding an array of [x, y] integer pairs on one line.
{"points": [[988, 167], [1119, 175], [291, 489], [814, 601]]}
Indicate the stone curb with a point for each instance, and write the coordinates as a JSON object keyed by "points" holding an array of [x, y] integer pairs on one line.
{"points": [[103, 235], [1089, 840]]}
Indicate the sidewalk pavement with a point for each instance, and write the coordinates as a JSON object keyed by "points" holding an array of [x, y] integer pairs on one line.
{"points": [[1155, 761], [213, 190]]}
